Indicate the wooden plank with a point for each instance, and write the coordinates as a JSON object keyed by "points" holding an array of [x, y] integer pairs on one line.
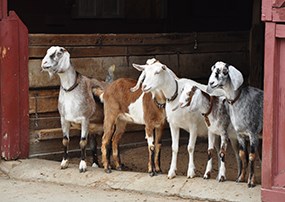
{"points": [[91, 51], [269, 109], [42, 101], [278, 3], [198, 66], [132, 39], [90, 67], [278, 14], [42, 121], [280, 31]]}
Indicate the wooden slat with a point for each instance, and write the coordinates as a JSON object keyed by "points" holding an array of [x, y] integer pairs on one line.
{"points": [[278, 14], [106, 51], [132, 39], [280, 31], [42, 101]]}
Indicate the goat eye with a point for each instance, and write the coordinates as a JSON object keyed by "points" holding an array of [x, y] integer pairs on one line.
{"points": [[52, 56], [225, 71], [155, 73], [58, 54]]}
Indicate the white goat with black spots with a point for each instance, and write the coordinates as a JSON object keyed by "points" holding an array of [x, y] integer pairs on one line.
{"points": [[245, 110], [215, 113]]}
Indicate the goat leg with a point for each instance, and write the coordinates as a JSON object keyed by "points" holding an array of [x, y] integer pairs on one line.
{"points": [[82, 165], [64, 162], [243, 159], [242, 165], [93, 147], [222, 155], [105, 149], [157, 158], [252, 157]]}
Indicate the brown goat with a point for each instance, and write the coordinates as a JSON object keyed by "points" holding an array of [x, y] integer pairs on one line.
{"points": [[121, 106]]}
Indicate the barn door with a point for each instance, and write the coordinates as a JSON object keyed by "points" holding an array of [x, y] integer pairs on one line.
{"points": [[273, 162], [14, 86]]}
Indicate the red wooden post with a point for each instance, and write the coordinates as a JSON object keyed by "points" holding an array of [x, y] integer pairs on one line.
{"points": [[14, 85], [273, 162]]}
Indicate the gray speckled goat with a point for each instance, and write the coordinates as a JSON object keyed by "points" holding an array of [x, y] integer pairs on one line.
{"points": [[245, 110], [76, 103]]}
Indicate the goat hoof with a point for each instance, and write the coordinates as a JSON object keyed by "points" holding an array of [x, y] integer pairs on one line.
{"points": [[207, 176], [108, 170], [250, 185], [64, 164], [82, 166], [151, 174], [158, 171], [95, 165], [82, 170], [222, 179], [122, 167]]}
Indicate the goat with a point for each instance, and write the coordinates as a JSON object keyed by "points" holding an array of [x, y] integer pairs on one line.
{"points": [[76, 103], [157, 77], [121, 107], [245, 111], [214, 111]]}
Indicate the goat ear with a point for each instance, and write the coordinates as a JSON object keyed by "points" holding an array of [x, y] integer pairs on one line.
{"points": [[139, 67], [236, 77]]}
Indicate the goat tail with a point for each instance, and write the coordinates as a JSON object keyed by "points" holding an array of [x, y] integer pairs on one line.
{"points": [[110, 76], [98, 92]]}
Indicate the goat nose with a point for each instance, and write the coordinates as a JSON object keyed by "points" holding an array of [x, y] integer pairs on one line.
{"points": [[143, 87], [212, 82]]}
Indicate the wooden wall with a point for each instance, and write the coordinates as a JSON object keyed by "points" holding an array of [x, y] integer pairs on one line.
{"points": [[189, 55]]}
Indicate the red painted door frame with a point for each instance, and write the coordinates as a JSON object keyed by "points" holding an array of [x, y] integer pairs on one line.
{"points": [[273, 162], [14, 86]]}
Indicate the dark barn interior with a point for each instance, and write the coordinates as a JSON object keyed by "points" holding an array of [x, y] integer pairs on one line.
{"points": [[128, 16], [189, 36]]}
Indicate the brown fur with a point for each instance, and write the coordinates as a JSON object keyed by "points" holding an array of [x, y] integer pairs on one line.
{"points": [[117, 97]]}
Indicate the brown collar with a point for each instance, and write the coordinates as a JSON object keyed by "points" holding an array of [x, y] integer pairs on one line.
{"points": [[231, 102], [174, 95], [208, 112], [211, 98], [78, 76]]}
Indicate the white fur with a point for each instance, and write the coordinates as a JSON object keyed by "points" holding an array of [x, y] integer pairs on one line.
{"points": [[219, 122], [75, 105], [136, 110], [159, 78], [82, 166], [64, 163]]}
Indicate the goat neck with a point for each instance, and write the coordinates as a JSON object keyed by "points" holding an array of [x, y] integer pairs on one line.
{"points": [[206, 103], [170, 89], [207, 106], [159, 100], [68, 78], [231, 94]]}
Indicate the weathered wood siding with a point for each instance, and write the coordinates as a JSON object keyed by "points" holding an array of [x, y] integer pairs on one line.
{"points": [[188, 55]]}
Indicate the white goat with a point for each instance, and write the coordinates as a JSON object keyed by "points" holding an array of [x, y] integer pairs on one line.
{"points": [[157, 77], [218, 121], [245, 110], [75, 103]]}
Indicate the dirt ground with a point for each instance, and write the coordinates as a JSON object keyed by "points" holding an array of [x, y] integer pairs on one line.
{"points": [[135, 159]]}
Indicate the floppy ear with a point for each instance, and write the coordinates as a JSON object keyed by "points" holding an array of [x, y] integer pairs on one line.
{"points": [[236, 77], [139, 67]]}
